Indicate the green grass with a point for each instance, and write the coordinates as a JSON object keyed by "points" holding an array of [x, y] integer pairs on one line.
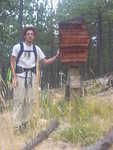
{"points": [[87, 119], [82, 121]]}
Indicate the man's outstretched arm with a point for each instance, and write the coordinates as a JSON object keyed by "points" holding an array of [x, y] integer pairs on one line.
{"points": [[50, 60]]}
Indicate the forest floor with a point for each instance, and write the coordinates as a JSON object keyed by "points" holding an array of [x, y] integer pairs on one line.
{"points": [[106, 96], [10, 141]]}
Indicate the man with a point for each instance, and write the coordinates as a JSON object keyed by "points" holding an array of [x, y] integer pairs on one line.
{"points": [[23, 65]]}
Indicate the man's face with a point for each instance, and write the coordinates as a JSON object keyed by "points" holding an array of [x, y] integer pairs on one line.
{"points": [[29, 36]]}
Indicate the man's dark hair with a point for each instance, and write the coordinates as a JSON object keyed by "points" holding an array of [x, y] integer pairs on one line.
{"points": [[29, 28]]}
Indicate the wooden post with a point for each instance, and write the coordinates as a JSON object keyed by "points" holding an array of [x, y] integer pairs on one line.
{"points": [[67, 88], [74, 83]]}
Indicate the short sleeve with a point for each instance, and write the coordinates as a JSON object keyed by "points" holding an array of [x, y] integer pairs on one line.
{"points": [[40, 53], [15, 50]]}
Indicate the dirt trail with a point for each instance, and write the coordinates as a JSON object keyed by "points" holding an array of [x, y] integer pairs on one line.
{"points": [[51, 144], [11, 141], [8, 140]]}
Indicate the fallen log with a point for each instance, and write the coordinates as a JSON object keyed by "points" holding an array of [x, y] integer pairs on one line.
{"points": [[43, 135], [103, 144]]}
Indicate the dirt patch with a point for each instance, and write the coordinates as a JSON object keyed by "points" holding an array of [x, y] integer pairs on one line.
{"points": [[50, 144], [8, 140]]}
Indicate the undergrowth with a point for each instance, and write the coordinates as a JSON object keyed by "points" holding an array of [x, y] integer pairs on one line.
{"points": [[82, 121]]}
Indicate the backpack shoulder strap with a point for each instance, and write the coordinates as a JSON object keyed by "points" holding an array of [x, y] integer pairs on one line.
{"points": [[20, 52], [35, 52]]}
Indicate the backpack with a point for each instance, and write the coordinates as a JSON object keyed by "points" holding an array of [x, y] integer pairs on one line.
{"points": [[9, 73], [22, 50]]}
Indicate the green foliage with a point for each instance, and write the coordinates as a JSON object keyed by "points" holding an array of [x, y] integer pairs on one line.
{"points": [[82, 121], [85, 134], [45, 19], [100, 58]]}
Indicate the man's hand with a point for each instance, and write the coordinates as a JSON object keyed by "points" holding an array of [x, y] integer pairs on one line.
{"points": [[14, 81], [52, 59], [58, 53]]}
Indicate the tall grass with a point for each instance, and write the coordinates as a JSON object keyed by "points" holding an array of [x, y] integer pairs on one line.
{"points": [[6, 127], [82, 121]]}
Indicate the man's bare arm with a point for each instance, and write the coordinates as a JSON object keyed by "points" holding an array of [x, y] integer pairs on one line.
{"points": [[13, 63], [50, 60]]}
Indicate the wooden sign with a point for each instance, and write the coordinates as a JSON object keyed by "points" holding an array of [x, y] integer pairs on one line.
{"points": [[74, 41]]}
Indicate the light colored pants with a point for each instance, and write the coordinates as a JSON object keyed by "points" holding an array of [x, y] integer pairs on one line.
{"points": [[23, 101]]}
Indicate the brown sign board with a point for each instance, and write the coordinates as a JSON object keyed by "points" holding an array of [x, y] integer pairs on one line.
{"points": [[74, 40]]}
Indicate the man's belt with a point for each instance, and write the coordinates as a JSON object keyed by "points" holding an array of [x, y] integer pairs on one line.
{"points": [[20, 69]]}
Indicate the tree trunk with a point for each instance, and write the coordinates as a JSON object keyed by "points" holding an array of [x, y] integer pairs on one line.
{"points": [[20, 19], [110, 45], [99, 44]]}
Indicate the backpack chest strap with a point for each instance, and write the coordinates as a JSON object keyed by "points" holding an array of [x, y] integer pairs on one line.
{"points": [[22, 50]]}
